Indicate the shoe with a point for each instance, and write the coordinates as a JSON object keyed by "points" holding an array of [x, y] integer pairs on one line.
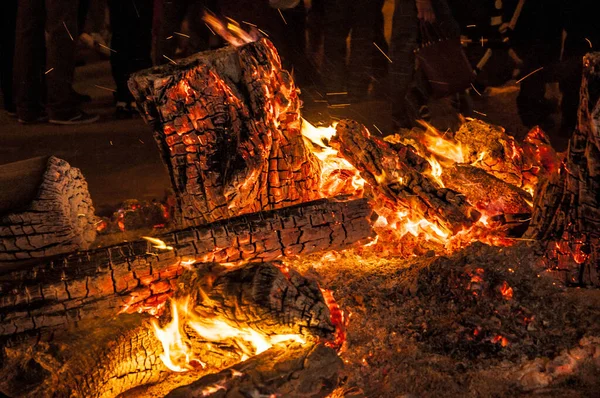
{"points": [[79, 98], [125, 110], [80, 117], [43, 118]]}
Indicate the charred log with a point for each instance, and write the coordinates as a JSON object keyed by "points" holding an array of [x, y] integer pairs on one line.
{"points": [[102, 282], [567, 207], [45, 209], [286, 371], [112, 355], [228, 125], [396, 179], [486, 192]]}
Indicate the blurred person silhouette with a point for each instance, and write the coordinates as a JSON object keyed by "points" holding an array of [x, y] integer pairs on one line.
{"points": [[131, 45], [8, 18], [44, 63], [169, 30], [409, 89], [348, 71]]}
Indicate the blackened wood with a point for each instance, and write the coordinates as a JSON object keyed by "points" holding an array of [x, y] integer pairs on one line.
{"points": [[487, 193], [395, 175], [293, 371], [102, 282], [45, 210], [567, 206], [228, 125]]}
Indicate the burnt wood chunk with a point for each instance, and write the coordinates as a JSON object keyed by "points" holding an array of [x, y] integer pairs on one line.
{"points": [[45, 209], [567, 206], [133, 276], [486, 192], [395, 175], [293, 371], [228, 125]]}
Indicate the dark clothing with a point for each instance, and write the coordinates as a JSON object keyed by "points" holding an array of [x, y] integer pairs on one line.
{"points": [[409, 90], [8, 19], [57, 21], [537, 41], [173, 14], [363, 21], [131, 24]]}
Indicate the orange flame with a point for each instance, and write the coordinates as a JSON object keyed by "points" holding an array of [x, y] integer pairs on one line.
{"points": [[230, 31], [177, 354]]}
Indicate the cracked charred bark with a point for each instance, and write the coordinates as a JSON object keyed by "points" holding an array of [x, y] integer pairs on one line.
{"points": [[283, 371], [567, 207], [45, 209], [396, 178], [228, 125], [100, 283], [112, 355]]}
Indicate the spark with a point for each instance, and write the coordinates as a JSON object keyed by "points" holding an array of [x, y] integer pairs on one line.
{"points": [[589, 42], [175, 63], [471, 26], [182, 34], [338, 93], [140, 140], [282, 17], [170, 37], [339, 105], [378, 129], [107, 47], [248, 23], [110, 143], [478, 93], [136, 9], [67, 29], [526, 76], [105, 88], [384, 54], [263, 32], [48, 71], [480, 113], [209, 28]]}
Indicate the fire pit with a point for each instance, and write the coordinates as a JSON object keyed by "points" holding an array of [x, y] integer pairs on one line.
{"points": [[451, 256]]}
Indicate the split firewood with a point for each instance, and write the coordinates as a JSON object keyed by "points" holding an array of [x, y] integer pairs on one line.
{"points": [[567, 206], [228, 125], [283, 371], [132, 276], [113, 354], [486, 192], [45, 209], [397, 182]]}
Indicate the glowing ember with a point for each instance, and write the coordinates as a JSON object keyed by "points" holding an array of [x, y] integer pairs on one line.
{"points": [[157, 243], [506, 290]]}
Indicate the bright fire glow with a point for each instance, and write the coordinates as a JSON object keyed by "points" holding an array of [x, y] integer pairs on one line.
{"points": [[229, 31], [157, 243], [177, 354]]}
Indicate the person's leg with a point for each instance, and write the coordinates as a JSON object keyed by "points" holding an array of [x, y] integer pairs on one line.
{"points": [[365, 23], [8, 19], [131, 41], [404, 42], [337, 28], [29, 60], [61, 33], [173, 12]]}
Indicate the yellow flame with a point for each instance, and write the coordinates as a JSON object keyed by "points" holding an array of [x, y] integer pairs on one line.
{"points": [[158, 244], [177, 354], [229, 31]]}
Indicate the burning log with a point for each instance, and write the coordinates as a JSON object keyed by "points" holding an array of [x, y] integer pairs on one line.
{"points": [[567, 206], [112, 355], [45, 209], [132, 276], [486, 192], [488, 147], [282, 371], [396, 177], [228, 125]]}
